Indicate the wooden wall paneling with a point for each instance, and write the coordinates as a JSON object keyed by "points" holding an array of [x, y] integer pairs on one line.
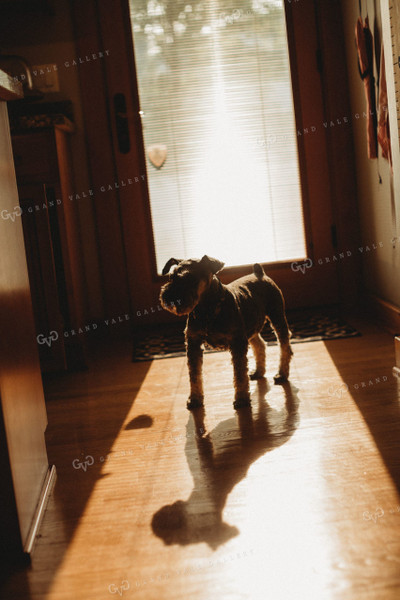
{"points": [[100, 158]]}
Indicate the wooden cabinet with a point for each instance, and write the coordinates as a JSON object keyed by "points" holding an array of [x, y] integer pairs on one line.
{"points": [[51, 230], [24, 470]]}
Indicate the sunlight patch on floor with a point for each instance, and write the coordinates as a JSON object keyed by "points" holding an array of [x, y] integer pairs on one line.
{"points": [[285, 508]]}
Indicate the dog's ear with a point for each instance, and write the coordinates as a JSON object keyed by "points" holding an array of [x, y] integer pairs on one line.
{"points": [[212, 264], [169, 264]]}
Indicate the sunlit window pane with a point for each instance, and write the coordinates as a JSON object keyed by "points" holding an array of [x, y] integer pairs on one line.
{"points": [[216, 97]]}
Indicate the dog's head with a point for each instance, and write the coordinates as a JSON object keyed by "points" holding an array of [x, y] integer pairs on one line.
{"points": [[188, 280]]}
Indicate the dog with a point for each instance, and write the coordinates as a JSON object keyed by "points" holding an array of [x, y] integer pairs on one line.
{"points": [[227, 317]]}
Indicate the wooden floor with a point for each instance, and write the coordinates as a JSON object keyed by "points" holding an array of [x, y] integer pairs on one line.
{"points": [[297, 498]]}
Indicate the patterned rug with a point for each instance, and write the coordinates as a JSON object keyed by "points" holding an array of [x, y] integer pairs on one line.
{"points": [[167, 341]]}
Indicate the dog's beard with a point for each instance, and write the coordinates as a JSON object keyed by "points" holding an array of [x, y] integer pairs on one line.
{"points": [[177, 301], [177, 310]]}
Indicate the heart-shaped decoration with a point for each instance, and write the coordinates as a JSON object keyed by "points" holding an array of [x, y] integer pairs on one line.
{"points": [[157, 154]]}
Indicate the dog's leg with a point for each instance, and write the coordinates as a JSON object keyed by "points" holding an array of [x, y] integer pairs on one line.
{"points": [[280, 325], [194, 353], [259, 350], [240, 373]]}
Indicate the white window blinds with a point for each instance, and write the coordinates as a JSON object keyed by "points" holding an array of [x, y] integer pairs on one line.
{"points": [[216, 101]]}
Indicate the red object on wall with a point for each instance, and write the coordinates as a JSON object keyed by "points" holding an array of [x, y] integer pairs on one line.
{"points": [[383, 124], [364, 41]]}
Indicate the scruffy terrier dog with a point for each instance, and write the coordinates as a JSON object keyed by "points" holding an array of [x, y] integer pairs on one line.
{"points": [[228, 317]]}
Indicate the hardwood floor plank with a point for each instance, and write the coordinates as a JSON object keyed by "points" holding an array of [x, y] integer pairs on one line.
{"points": [[296, 498]]}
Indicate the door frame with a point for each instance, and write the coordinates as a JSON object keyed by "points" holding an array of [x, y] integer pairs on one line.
{"points": [[327, 233]]}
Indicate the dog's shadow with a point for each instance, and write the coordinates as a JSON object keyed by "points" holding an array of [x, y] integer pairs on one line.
{"points": [[218, 460]]}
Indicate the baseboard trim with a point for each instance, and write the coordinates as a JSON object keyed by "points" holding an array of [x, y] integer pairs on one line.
{"points": [[47, 487], [386, 313]]}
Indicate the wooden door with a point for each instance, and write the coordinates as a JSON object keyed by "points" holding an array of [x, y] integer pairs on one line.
{"points": [[326, 187]]}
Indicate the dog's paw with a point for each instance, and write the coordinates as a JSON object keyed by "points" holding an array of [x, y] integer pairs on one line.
{"points": [[195, 402], [279, 378], [242, 401], [256, 375]]}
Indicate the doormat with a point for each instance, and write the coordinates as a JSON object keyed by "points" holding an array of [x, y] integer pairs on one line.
{"points": [[167, 341]]}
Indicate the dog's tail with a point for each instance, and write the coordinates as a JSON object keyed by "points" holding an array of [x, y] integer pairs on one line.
{"points": [[258, 271]]}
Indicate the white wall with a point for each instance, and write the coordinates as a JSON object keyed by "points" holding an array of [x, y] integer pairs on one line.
{"points": [[381, 275]]}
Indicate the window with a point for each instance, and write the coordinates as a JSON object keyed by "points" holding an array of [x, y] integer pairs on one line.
{"points": [[216, 102]]}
